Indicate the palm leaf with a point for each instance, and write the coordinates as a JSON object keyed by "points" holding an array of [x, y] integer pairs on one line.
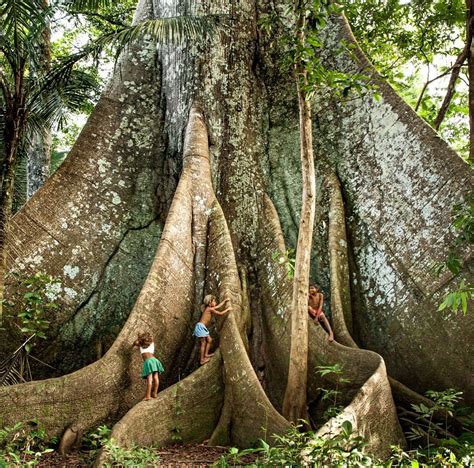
{"points": [[172, 30], [88, 5], [11, 367], [22, 23], [18, 17], [54, 102]]}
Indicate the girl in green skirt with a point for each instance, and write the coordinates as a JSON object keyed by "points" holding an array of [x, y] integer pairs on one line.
{"points": [[151, 366]]}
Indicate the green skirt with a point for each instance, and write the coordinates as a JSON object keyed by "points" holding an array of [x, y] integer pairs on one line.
{"points": [[152, 365]]}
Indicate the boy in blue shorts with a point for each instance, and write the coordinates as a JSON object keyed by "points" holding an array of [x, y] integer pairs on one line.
{"points": [[208, 308]]}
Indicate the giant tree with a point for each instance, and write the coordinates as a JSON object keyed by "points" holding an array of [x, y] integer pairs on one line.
{"points": [[186, 181]]}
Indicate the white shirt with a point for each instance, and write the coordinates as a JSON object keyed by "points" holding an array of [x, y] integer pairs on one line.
{"points": [[150, 349]]}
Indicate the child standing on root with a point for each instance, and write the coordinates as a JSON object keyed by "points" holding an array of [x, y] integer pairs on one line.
{"points": [[151, 366], [208, 308], [315, 309]]}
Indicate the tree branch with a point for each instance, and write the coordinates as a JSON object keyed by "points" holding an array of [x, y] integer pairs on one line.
{"points": [[103, 17], [456, 69], [428, 82], [4, 86]]}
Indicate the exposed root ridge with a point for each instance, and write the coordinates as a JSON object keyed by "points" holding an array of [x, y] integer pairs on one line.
{"points": [[368, 397], [340, 290], [105, 390], [186, 412], [255, 417], [199, 397]]}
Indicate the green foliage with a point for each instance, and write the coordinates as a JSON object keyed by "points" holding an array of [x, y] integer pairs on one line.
{"points": [[296, 448], [95, 439], [116, 455], [412, 43], [287, 258], [343, 449], [458, 299], [133, 456], [332, 395], [32, 299], [300, 45], [22, 445], [463, 224]]}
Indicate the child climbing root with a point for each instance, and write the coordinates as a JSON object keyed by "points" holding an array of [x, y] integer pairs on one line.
{"points": [[151, 366], [315, 309], [208, 308]]}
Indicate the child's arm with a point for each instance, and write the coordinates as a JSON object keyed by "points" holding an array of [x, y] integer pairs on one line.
{"points": [[321, 302], [223, 312], [221, 304]]}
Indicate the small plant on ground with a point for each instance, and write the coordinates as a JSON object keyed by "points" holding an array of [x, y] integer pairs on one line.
{"points": [[93, 441], [32, 299], [133, 456], [116, 455], [345, 449], [332, 395], [24, 445], [441, 439], [296, 448]]}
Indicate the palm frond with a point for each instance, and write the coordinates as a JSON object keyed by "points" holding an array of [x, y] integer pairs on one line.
{"points": [[11, 368], [22, 24], [87, 5], [51, 107], [18, 17], [173, 30]]}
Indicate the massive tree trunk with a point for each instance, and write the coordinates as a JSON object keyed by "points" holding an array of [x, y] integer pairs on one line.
{"points": [[236, 203]]}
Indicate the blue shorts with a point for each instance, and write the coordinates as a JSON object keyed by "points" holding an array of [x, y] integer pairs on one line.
{"points": [[200, 330]]}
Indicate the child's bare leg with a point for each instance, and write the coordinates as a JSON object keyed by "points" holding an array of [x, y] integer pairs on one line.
{"points": [[156, 384], [203, 359], [328, 327], [208, 347], [149, 379]]}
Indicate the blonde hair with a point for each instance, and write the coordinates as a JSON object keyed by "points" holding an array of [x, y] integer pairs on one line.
{"points": [[207, 300]]}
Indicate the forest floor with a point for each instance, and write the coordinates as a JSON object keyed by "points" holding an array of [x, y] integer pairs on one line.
{"points": [[176, 456]]}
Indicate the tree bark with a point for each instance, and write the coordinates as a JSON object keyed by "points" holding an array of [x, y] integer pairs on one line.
{"points": [[239, 189], [295, 402], [39, 153], [470, 71], [12, 137], [451, 87]]}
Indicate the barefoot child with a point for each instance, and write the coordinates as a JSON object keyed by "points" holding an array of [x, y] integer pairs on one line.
{"points": [[151, 365], [315, 309], [208, 308]]}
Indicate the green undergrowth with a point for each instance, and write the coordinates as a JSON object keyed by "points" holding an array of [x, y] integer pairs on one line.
{"points": [[344, 449], [433, 441], [24, 445]]}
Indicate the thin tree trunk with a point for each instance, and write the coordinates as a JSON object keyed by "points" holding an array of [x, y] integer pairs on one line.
{"points": [[6, 196], [470, 65], [39, 153], [295, 404], [451, 88]]}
